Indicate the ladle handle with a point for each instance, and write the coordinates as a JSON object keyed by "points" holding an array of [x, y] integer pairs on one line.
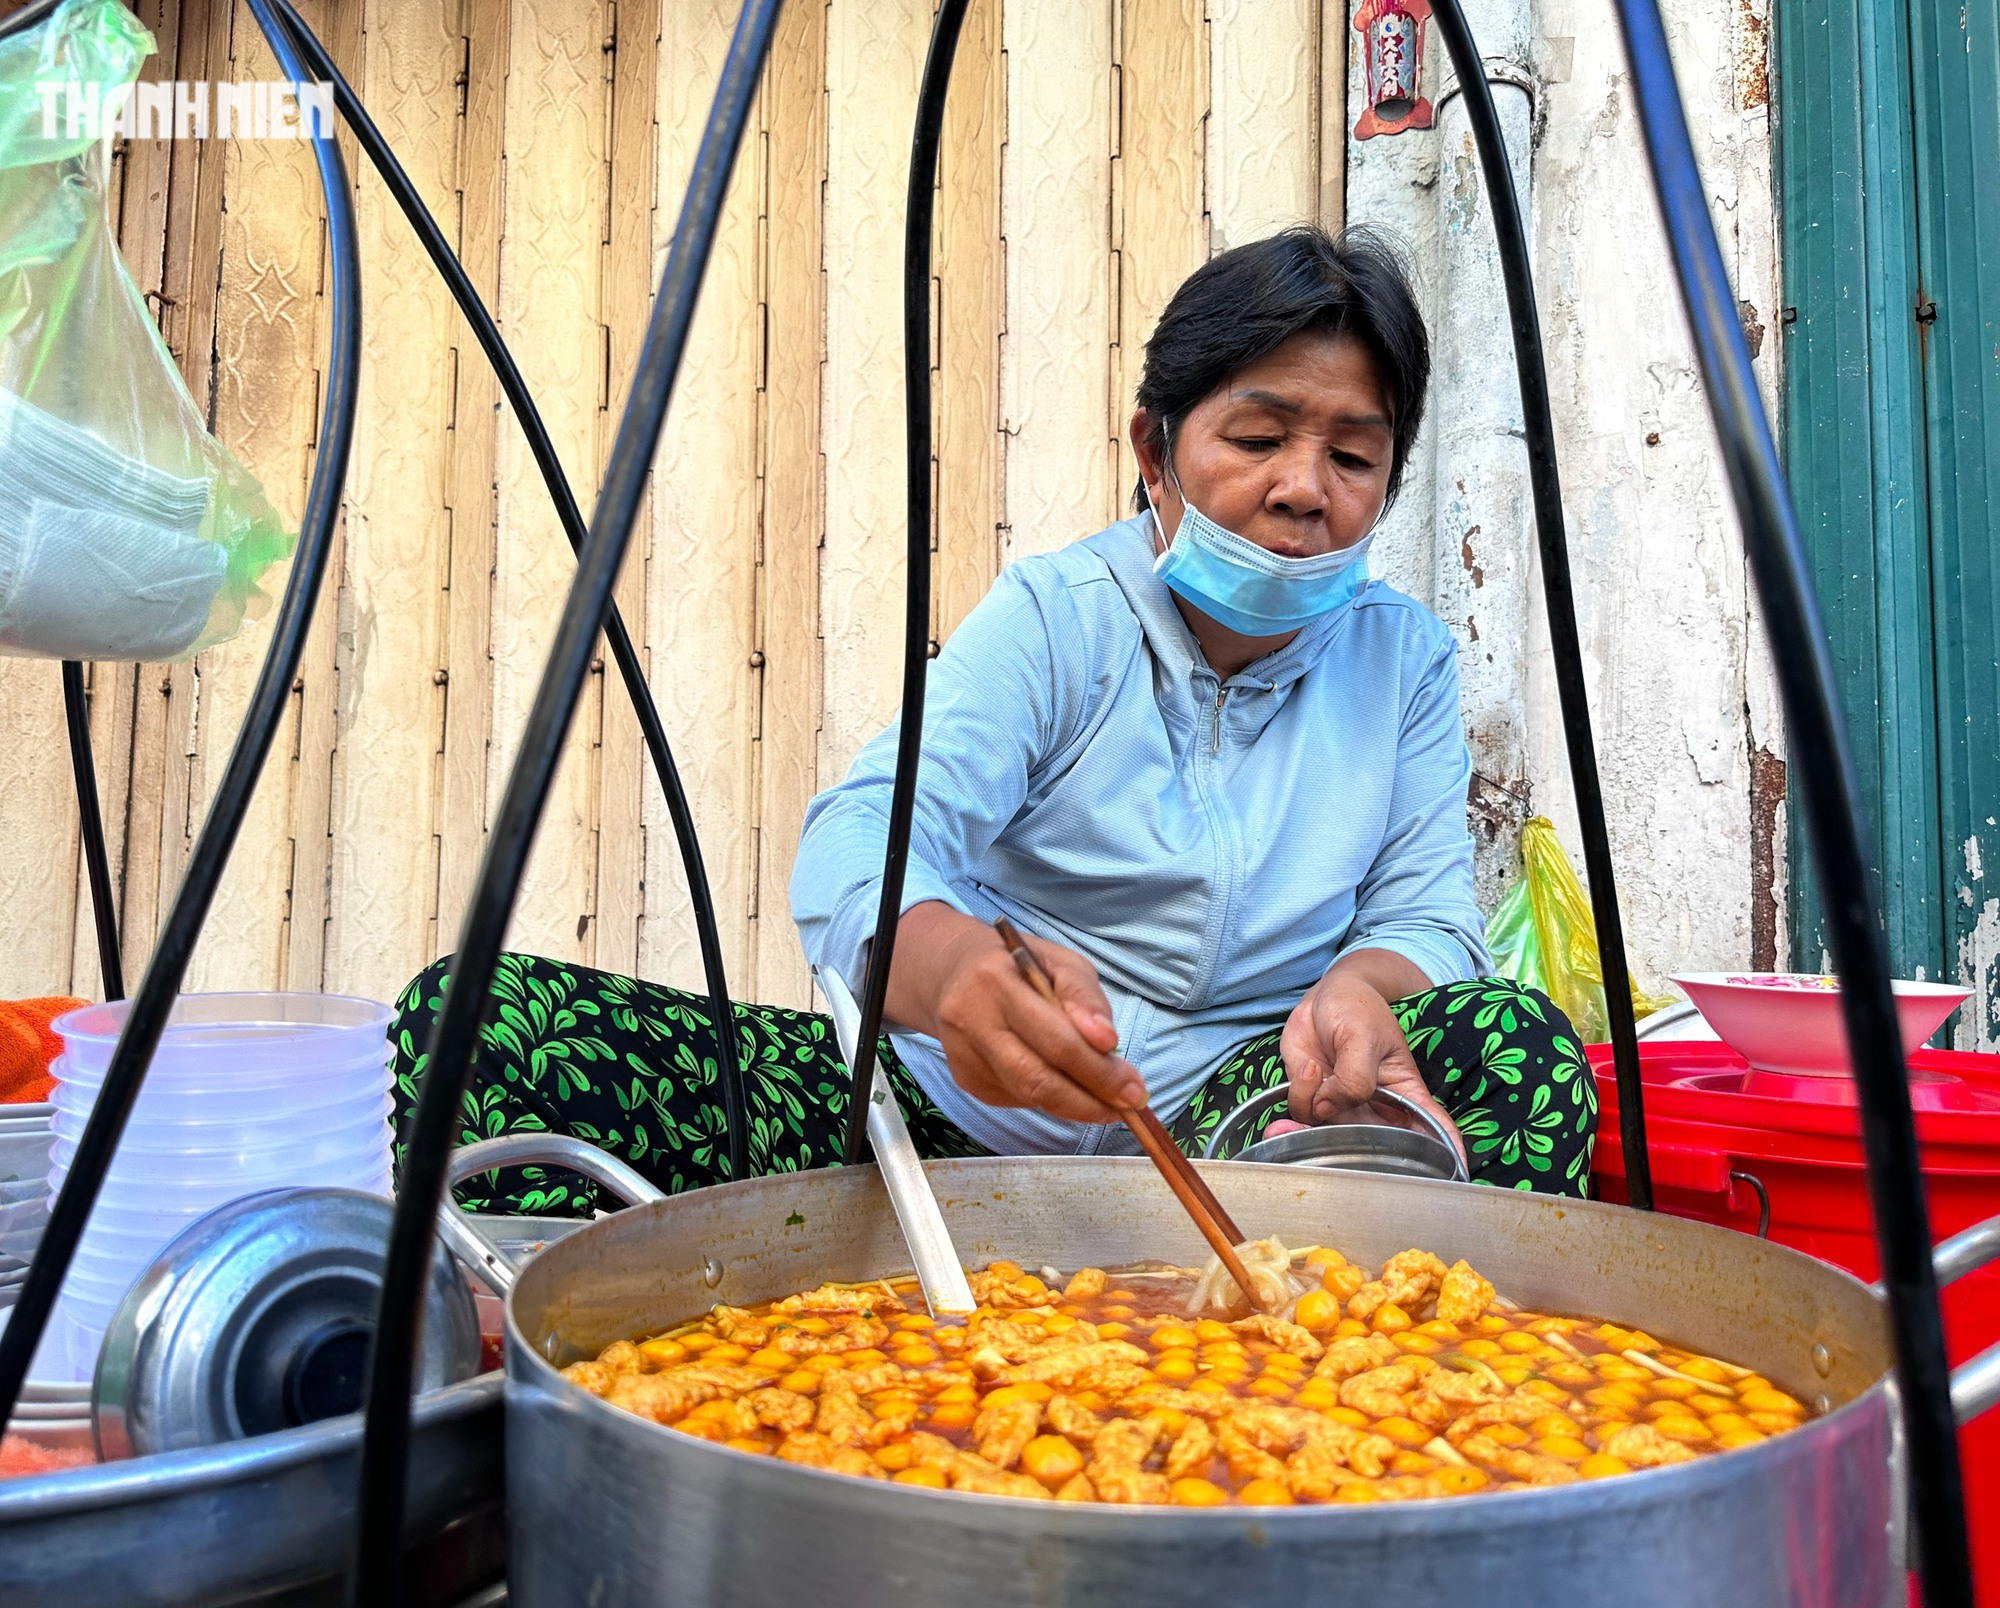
{"points": [[946, 1290], [1975, 1385], [463, 1238]]}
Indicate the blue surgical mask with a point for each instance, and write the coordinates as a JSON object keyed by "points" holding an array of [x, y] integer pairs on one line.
{"points": [[1238, 584]]}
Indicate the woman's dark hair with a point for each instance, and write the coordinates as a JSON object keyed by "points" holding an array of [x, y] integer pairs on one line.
{"points": [[1244, 304]]}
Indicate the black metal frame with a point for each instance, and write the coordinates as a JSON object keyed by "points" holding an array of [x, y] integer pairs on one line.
{"points": [[96, 859], [1776, 552]]}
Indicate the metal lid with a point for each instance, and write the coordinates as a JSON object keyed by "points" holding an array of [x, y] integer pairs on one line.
{"points": [[258, 1318], [1359, 1147]]}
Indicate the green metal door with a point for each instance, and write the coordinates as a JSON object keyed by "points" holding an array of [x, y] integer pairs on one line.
{"points": [[1955, 56], [1889, 174]]}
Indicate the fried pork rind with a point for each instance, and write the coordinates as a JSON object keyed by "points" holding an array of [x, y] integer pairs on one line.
{"points": [[1005, 1288], [967, 1471], [1311, 1454], [1533, 1468], [1408, 1279], [857, 1334], [1111, 1366], [1353, 1354], [738, 1327], [622, 1357], [1463, 1294], [664, 1397], [1071, 1418], [829, 1300], [780, 1409], [1443, 1393], [1191, 1451], [814, 1450], [1643, 1446], [1285, 1336], [1004, 1430], [1379, 1392], [1117, 1465], [591, 1376], [1195, 1403], [1517, 1407]]}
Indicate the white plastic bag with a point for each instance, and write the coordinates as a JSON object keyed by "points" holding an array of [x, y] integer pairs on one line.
{"points": [[127, 531]]}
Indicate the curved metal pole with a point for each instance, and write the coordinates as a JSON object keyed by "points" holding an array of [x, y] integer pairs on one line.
{"points": [[918, 205], [96, 858], [385, 1439], [269, 700], [1565, 648], [1830, 798], [729, 1068]]}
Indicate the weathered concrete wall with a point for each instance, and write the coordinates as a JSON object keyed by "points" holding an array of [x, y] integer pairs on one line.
{"points": [[1688, 739]]}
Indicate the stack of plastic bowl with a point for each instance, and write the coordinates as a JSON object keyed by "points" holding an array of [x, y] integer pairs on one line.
{"points": [[247, 1092]]}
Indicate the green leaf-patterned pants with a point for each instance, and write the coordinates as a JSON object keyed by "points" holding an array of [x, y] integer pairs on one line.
{"points": [[629, 1066]]}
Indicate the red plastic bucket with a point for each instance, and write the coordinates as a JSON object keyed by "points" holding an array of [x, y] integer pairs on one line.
{"points": [[1724, 1141]]}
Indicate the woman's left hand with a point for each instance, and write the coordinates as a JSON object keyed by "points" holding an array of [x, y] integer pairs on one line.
{"points": [[1342, 1043]]}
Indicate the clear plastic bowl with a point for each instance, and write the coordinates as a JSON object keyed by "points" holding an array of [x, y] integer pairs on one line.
{"points": [[364, 1167], [280, 1132], [333, 1087], [95, 1287], [234, 1044], [327, 1156]]}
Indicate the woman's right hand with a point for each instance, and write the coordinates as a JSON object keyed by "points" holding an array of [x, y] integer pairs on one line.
{"points": [[953, 979]]}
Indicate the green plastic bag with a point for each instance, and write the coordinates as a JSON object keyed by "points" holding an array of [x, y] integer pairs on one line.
{"points": [[1543, 936], [127, 531]]}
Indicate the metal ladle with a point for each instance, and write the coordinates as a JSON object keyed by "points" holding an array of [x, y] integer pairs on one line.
{"points": [[939, 1270]]}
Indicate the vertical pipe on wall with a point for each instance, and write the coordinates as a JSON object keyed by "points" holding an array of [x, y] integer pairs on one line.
{"points": [[1480, 492], [1504, 181]]}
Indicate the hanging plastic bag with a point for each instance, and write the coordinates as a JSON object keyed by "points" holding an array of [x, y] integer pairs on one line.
{"points": [[1543, 936], [127, 531]]}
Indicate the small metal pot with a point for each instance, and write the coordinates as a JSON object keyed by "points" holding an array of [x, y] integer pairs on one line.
{"points": [[610, 1509], [1358, 1147]]}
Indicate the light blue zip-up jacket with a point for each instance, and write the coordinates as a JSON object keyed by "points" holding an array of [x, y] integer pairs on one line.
{"points": [[1211, 847]]}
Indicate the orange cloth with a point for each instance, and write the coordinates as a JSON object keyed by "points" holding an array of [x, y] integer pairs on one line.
{"points": [[28, 1045]]}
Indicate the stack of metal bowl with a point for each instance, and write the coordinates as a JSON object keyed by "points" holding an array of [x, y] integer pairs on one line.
{"points": [[52, 1412], [25, 1136]]}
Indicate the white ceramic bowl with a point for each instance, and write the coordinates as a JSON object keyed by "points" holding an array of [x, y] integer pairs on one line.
{"points": [[1789, 1022]]}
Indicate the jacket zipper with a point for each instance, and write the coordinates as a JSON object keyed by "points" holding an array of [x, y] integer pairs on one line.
{"points": [[1221, 697]]}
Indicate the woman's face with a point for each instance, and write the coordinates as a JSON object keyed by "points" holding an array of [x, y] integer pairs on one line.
{"points": [[1292, 453]]}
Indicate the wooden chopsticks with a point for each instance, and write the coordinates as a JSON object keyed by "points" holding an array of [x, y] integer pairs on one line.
{"points": [[1190, 1189]]}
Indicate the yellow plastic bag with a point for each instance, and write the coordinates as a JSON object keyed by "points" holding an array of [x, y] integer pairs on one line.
{"points": [[1543, 936]]}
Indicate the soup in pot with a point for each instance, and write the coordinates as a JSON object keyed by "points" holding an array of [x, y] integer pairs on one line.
{"points": [[1145, 1386]]}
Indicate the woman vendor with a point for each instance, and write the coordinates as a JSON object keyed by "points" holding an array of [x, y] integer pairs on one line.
{"points": [[1215, 773]]}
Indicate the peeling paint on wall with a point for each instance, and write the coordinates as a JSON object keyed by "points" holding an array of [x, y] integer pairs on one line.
{"points": [[1767, 803], [1753, 54], [1978, 1025]]}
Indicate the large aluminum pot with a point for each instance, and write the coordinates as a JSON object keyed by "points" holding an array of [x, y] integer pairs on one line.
{"points": [[608, 1509]]}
